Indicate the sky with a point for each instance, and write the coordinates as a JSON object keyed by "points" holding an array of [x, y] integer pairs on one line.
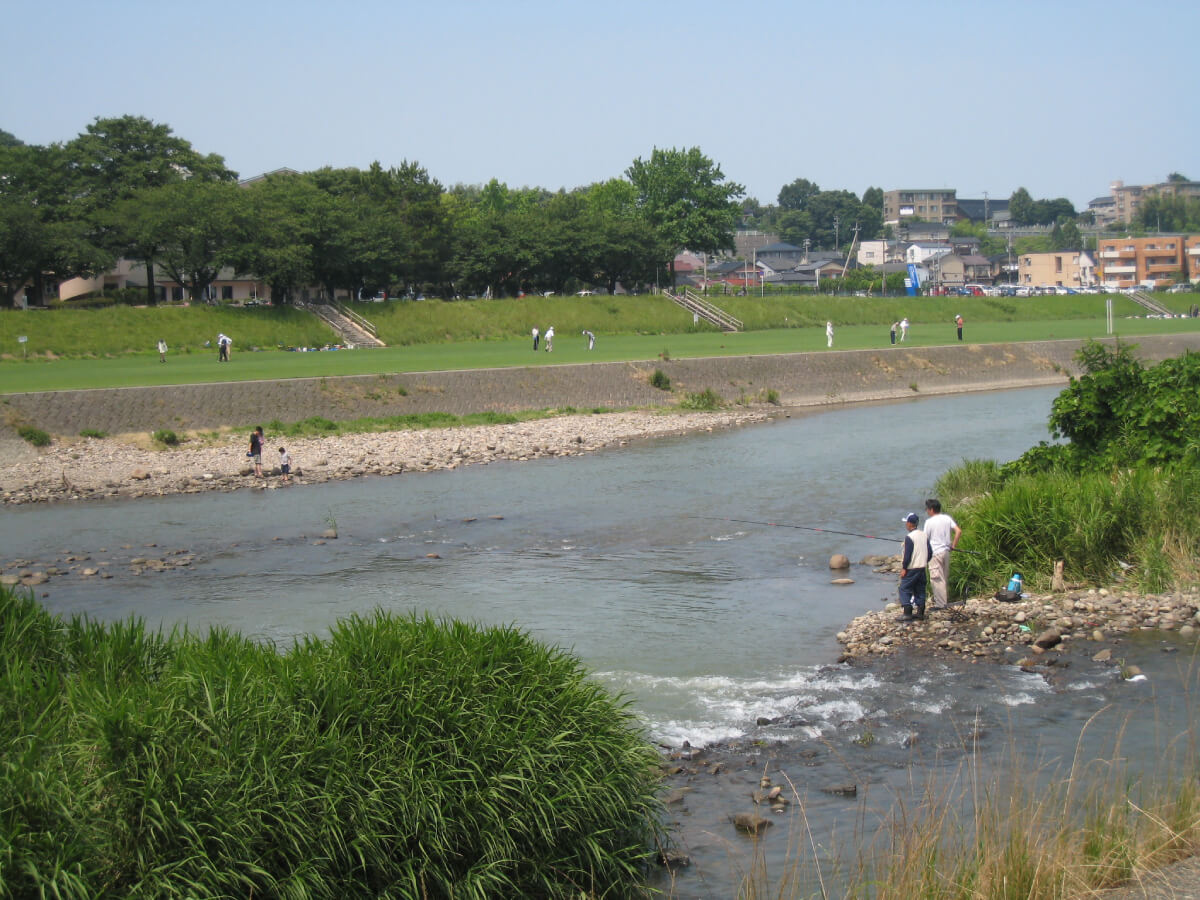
{"points": [[1061, 98]]}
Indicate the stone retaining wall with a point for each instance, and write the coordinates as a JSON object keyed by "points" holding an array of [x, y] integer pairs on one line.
{"points": [[799, 379]]}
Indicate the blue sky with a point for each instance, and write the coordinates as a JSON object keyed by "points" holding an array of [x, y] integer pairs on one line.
{"points": [[1060, 98]]}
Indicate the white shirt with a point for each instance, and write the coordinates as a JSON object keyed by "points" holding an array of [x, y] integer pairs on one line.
{"points": [[940, 529]]}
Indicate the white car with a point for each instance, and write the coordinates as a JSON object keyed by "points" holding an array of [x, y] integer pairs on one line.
{"points": [[584, 293]]}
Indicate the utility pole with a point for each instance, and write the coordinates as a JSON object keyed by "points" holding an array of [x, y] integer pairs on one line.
{"points": [[836, 223]]}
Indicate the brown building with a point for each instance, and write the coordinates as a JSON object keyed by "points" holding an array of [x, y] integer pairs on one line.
{"points": [[1127, 199], [928, 204], [1069, 268], [1142, 261]]}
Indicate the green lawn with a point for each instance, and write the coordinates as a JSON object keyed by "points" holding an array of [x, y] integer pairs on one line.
{"points": [[122, 371]]}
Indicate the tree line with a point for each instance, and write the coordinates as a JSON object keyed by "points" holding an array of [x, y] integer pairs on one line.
{"points": [[129, 188]]}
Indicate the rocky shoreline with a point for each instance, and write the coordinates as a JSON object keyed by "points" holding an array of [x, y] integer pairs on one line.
{"points": [[1031, 632], [110, 468]]}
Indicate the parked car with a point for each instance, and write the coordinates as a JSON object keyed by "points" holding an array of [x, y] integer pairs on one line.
{"points": [[1184, 288]]}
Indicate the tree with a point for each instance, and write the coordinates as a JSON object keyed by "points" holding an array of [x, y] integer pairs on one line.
{"points": [[9, 140], [873, 197], [201, 225], [626, 248], [796, 195], [685, 197], [116, 158], [278, 248], [43, 234], [1177, 178], [1020, 207]]}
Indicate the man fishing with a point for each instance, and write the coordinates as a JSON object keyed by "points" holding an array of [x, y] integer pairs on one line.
{"points": [[943, 533], [913, 559]]}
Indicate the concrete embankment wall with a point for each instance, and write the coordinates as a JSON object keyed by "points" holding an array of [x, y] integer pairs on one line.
{"points": [[799, 379]]}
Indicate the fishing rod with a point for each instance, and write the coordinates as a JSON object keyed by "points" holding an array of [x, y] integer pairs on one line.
{"points": [[873, 537]]}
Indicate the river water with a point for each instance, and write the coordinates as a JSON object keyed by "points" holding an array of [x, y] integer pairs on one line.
{"points": [[631, 559]]}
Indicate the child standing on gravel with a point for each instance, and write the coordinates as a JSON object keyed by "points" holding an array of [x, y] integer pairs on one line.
{"points": [[285, 465]]}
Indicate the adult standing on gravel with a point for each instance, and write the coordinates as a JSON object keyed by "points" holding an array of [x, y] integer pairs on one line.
{"points": [[913, 559], [943, 533], [256, 445]]}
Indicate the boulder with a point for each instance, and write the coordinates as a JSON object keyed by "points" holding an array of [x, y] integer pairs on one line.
{"points": [[751, 823], [1051, 637], [839, 561]]}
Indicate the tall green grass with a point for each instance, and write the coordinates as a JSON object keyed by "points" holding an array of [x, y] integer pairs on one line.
{"points": [[399, 757], [1138, 525]]}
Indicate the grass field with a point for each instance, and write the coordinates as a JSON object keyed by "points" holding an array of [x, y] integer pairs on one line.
{"points": [[788, 325]]}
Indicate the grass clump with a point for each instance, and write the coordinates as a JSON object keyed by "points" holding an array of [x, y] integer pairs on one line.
{"points": [[34, 435], [660, 380], [707, 399], [93, 433], [401, 756], [165, 437]]}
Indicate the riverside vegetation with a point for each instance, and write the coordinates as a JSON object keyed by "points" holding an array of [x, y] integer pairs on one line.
{"points": [[1116, 502], [400, 757]]}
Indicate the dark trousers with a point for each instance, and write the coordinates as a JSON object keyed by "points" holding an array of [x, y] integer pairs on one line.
{"points": [[912, 590]]}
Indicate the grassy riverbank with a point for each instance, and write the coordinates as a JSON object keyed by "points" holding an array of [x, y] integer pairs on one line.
{"points": [[115, 347], [400, 756]]}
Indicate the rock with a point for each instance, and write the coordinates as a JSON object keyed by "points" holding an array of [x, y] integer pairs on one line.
{"points": [[1051, 637], [842, 790], [842, 581], [839, 561], [751, 823], [330, 534], [139, 475], [432, 556], [1103, 656]]}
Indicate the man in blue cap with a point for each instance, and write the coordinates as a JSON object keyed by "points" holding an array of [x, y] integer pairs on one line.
{"points": [[912, 570]]}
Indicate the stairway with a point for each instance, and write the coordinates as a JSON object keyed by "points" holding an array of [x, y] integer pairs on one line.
{"points": [[699, 306], [1141, 298], [355, 331]]}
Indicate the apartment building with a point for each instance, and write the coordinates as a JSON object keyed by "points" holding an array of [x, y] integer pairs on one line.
{"points": [[1142, 261], [1127, 199], [924, 203], [1191, 252], [1069, 268]]}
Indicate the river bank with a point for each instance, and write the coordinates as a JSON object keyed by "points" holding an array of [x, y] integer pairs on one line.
{"points": [[754, 388]]}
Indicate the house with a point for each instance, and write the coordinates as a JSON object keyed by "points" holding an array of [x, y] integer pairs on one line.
{"points": [[924, 231], [993, 213], [956, 270], [780, 255], [926, 251], [1067, 268], [875, 253]]}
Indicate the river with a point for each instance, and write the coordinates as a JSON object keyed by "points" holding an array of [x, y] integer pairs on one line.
{"points": [[631, 558]]}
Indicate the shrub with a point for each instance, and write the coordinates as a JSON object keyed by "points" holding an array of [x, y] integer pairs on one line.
{"points": [[93, 433], [434, 758], [166, 437], [35, 436], [706, 399], [660, 380]]}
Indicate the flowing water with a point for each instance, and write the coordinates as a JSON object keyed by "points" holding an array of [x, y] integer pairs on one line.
{"points": [[632, 559]]}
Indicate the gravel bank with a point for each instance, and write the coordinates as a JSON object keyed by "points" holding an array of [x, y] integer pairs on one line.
{"points": [[89, 468]]}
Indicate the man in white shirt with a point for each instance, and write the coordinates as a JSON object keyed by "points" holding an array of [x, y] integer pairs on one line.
{"points": [[943, 533]]}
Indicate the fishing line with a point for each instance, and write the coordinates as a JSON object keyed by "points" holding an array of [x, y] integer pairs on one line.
{"points": [[873, 537]]}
